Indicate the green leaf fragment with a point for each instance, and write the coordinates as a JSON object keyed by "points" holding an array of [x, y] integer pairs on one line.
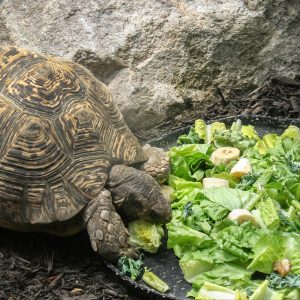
{"points": [[155, 282], [278, 282], [129, 267]]}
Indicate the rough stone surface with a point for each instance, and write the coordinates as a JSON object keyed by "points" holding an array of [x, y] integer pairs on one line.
{"points": [[160, 57]]}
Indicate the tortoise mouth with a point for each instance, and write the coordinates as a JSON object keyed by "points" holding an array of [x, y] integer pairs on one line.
{"points": [[162, 214]]}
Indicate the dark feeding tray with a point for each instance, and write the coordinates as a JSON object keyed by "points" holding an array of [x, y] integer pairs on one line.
{"points": [[164, 263]]}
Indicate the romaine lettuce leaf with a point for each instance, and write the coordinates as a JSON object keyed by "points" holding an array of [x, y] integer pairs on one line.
{"points": [[206, 132], [191, 267], [263, 292], [249, 132], [293, 132], [190, 161], [191, 138], [292, 252], [238, 240], [182, 187], [229, 138], [210, 291], [269, 213], [180, 234], [226, 275], [155, 282], [145, 235], [267, 250], [228, 197], [267, 142], [200, 129]]}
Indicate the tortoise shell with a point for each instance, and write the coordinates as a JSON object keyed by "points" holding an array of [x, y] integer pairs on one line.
{"points": [[60, 132]]}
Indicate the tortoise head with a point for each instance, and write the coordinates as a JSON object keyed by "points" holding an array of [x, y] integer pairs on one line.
{"points": [[136, 195]]}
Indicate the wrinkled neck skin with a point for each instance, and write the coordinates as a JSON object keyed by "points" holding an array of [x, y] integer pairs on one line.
{"points": [[136, 195]]}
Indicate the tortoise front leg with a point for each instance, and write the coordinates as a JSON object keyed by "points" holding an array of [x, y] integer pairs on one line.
{"points": [[107, 232], [157, 164]]}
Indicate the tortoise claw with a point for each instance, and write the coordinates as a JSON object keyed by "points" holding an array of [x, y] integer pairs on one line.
{"points": [[131, 252]]}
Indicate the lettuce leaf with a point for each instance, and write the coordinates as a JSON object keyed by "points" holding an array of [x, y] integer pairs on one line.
{"points": [[190, 161], [155, 282], [267, 142], [269, 214], [228, 197], [192, 266], [293, 132], [145, 235], [180, 234], [200, 129], [267, 250], [292, 252], [226, 275], [278, 282], [210, 291], [191, 138], [249, 132], [206, 132], [263, 292], [182, 187], [237, 240]]}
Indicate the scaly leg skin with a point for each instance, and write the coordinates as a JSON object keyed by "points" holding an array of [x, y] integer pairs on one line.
{"points": [[157, 164], [107, 232]]}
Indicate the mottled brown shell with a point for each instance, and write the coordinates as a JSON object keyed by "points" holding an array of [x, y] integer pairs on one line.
{"points": [[60, 132]]}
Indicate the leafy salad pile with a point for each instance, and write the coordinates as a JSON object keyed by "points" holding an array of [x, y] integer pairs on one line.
{"points": [[256, 257]]}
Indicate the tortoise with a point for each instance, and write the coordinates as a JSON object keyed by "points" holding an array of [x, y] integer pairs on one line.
{"points": [[68, 161]]}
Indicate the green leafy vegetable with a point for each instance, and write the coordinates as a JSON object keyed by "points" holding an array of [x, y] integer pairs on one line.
{"points": [[130, 267], [249, 132], [228, 197], [222, 257], [182, 187], [155, 282], [227, 275], [238, 240], [278, 282], [263, 292], [293, 132], [217, 292], [180, 234], [206, 132], [192, 265], [266, 143], [267, 250], [191, 138], [145, 235], [187, 210], [269, 214], [190, 161]]}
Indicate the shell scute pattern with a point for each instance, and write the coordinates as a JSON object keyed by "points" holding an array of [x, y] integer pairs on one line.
{"points": [[42, 87], [60, 133]]}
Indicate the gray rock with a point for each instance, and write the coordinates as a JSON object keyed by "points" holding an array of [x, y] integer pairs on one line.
{"points": [[158, 57]]}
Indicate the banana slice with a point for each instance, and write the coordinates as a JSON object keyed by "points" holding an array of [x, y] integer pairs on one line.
{"points": [[214, 182], [242, 215], [241, 168], [224, 155]]}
